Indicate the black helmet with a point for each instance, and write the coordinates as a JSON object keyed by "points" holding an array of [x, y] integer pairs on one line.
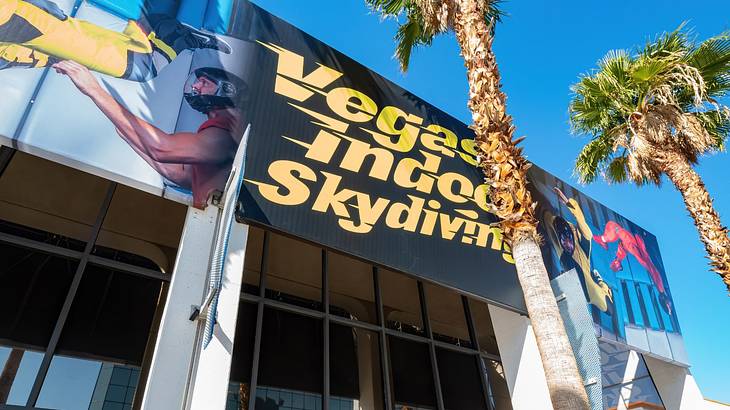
{"points": [[562, 229], [231, 91]]}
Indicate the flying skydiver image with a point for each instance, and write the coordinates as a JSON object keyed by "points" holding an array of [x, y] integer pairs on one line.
{"points": [[37, 33], [196, 161], [633, 244], [573, 246]]}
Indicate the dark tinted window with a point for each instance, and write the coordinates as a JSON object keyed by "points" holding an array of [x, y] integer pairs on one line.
{"points": [[460, 383], [111, 316], [33, 287], [411, 371]]}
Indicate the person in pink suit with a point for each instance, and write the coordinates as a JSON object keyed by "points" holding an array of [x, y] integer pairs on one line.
{"points": [[630, 243]]}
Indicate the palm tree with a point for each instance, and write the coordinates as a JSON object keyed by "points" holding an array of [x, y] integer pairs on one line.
{"points": [[654, 112], [504, 167], [10, 370]]}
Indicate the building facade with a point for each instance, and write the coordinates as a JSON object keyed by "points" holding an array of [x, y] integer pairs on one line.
{"points": [[225, 213]]}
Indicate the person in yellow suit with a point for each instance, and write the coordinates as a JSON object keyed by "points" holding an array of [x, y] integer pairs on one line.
{"points": [[37, 33], [573, 245]]}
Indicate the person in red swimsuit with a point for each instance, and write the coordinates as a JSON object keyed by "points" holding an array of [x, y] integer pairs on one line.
{"points": [[630, 243], [197, 161]]}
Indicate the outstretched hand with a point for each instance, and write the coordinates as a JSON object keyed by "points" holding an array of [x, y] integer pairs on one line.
{"points": [[561, 195], [79, 75]]}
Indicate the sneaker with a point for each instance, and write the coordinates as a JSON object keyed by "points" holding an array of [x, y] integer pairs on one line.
{"points": [[599, 240], [206, 39]]}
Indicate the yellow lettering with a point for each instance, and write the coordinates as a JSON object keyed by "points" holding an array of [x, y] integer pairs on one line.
{"points": [[351, 104], [469, 153], [507, 254], [483, 233], [442, 140], [403, 175], [368, 213], [290, 66], [324, 120], [323, 147], [358, 151], [450, 227], [399, 127], [429, 222], [397, 211], [446, 183], [283, 172], [480, 196], [329, 197]]}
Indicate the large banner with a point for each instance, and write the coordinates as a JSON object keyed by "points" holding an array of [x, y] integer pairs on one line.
{"points": [[156, 94], [618, 264]]}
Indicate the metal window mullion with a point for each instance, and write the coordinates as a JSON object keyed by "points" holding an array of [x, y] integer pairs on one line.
{"points": [[353, 323], [70, 295], [259, 324], [431, 347], [475, 342], [325, 335], [384, 354], [6, 155], [129, 268], [41, 246]]}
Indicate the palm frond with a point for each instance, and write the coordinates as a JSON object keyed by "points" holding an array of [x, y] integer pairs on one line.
{"points": [[592, 157], [388, 8], [712, 59], [617, 169], [493, 13], [604, 98], [667, 44], [410, 34], [717, 124]]}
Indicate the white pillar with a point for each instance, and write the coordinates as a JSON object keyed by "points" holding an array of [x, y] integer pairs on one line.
{"points": [[520, 360], [675, 384], [213, 365], [174, 349]]}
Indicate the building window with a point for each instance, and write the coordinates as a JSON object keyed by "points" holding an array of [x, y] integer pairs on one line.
{"points": [[85, 278], [401, 302], [337, 333], [412, 375]]}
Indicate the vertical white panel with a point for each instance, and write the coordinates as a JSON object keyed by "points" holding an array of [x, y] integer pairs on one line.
{"points": [[675, 384], [174, 349], [211, 374], [520, 359]]}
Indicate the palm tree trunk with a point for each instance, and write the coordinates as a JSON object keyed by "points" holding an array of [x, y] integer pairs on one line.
{"points": [[699, 204], [561, 371], [10, 370], [505, 170]]}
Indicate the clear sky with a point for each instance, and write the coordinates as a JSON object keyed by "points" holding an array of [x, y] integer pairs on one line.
{"points": [[541, 48]]}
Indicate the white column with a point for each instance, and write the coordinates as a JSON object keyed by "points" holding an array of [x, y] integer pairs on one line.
{"points": [[175, 345], [520, 360], [210, 377], [675, 384]]}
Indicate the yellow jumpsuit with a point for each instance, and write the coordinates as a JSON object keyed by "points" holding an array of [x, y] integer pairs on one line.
{"points": [[599, 293], [31, 34]]}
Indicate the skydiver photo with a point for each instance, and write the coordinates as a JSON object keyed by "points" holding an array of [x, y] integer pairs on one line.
{"points": [[156, 101]]}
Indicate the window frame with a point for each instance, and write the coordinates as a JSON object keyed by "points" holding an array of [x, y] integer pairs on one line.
{"points": [[83, 258], [261, 301]]}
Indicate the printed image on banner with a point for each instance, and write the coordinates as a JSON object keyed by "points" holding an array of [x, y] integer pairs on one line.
{"points": [[151, 94], [618, 263], [156, 95]]}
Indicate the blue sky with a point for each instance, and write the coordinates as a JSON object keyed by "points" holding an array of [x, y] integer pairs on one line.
{"points": [[541, 48]]}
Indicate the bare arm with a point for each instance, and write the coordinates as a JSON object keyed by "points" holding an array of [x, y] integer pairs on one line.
{"points": [[178, 173], [212, 145], [574, 209]]}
